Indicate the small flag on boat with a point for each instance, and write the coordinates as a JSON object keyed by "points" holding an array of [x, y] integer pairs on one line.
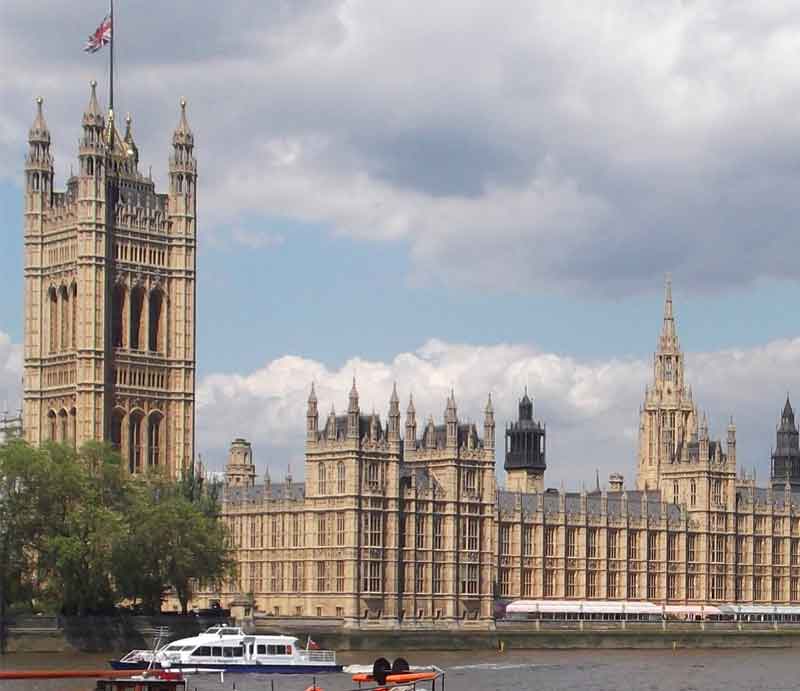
{"points": [[311, 645], [100, 37]]}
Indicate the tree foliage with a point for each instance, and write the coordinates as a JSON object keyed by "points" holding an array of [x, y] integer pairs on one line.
{"points": [[79, 535]]}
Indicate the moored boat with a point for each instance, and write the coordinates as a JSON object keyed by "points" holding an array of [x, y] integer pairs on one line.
{"points": [[229, 649]]}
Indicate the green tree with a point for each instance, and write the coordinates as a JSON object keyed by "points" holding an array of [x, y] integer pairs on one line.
{"points": [[87, 522], [180, 542]]}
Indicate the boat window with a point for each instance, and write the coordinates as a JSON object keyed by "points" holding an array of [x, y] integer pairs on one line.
{"points": [[216, 651], [227, 652], [230, 632], [212, 629], [238, 651], [262, 649], [277, 650], [202, 651]]}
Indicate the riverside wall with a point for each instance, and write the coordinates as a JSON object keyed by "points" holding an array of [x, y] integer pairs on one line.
{"points": [[120, 634]]}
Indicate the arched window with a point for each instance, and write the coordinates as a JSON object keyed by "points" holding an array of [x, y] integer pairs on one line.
{"points": [[73, 427], [116, 429], [153, 439], [321, 485], [52, 426], [74, 316], [179, 184], [693, 493], [156, 321], [135, 442], [137, 309], [64, 325], [63, 426], [341, 478], [53, 299], [90, 166], [118, 317], [36, 182]]}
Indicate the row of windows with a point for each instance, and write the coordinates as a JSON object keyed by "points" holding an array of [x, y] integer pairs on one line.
{"points": [[63, 317], [140, 377], [633, 586], [62, 252], [138, 254], [139, 319]]}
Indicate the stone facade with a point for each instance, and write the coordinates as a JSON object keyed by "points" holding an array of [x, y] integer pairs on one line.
{"points": [[411, 531], [109, 315]]}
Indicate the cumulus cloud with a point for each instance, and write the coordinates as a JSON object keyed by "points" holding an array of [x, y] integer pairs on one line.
{"points": [[590, 407], [10, 373], [511, 144]]}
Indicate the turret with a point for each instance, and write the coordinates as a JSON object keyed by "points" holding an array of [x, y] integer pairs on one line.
{"points": [[240, 470], [730, 445], [312, 418], [451, 421], [183, 177], [92, 147], [330, 425], [352, 413], [411, 424], [525, 450], [394, 416], [131, 149], [489, 425], [39, 161]]}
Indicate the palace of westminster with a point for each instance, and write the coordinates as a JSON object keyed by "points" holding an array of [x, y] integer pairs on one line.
{"points": [[398, 522]]}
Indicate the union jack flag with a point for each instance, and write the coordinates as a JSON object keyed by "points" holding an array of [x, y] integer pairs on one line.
{"points": [[100, 37]]}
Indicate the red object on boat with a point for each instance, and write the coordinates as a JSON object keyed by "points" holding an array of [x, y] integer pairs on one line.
{"points": [[315, 688]]}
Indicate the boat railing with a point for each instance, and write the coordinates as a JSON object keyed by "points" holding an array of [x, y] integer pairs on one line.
{"points": [[137, 656], [317, 656]]}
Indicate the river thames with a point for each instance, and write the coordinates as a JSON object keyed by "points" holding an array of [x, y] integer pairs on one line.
{"points": [[684, 670]]}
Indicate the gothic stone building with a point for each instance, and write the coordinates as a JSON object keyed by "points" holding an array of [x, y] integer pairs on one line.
{"points": [[109, 309], [392, 530]]}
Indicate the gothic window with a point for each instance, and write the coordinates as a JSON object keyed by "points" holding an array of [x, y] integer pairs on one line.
{"points": [[470, 480], [527, 540], [611, 536], [693, 493], [154, 439], [611, 584], [340, 523], [322, 487], [373, 528], [321, 579], [591, 584], [64, 317], [179, 184], [52, 426], [36, 182], [53, 299], [550, 541], [137, 309], [675, 493], [717, 493], [156, 344], [633, 583], [339, 576], [341, 477], [591, 543], [116, 429], [73, 427], [550, 583], [572, 542], [73, 321], [63, 426], [90, 166], [135, 442], [672, 548], [420, 533], [322, 530], [668, 374], [633, 544], [438, 531], [117, 318], [652, 546], [372, 473]]}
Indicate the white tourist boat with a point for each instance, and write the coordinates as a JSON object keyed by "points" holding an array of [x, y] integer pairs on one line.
{"points": [[229, 649]]}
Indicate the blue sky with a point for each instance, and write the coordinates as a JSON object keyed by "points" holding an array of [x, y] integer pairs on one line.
{"points": [[477, 196]]}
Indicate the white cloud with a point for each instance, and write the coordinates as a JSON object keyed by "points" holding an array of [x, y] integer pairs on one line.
{"points": [[509, 144], [590, 408], [10, 374]]}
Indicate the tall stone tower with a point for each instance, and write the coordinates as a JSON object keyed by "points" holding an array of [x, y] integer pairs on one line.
{"points": [[110, 296], [668, 418], [786, 456], [525, 451]]}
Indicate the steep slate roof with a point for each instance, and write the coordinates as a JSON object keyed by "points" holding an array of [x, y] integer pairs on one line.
{"points": [[295, 491]]}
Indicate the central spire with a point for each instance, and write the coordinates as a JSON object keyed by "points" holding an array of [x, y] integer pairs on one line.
{"points": [[669, 337]]}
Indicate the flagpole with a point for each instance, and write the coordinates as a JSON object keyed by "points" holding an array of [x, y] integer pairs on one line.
{"points": [[111, 61]]}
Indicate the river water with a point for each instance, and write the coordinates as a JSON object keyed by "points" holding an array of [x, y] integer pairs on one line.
{"points": [[683, 670]]}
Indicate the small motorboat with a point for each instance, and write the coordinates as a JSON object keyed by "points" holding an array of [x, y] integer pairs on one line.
{"points": [[397, 676], [158, 680], [229, 649]]}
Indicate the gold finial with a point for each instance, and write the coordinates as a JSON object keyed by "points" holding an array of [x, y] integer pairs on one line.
{"points": [[183, 103], [128, 119], [39, 100], [93, 83]]}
